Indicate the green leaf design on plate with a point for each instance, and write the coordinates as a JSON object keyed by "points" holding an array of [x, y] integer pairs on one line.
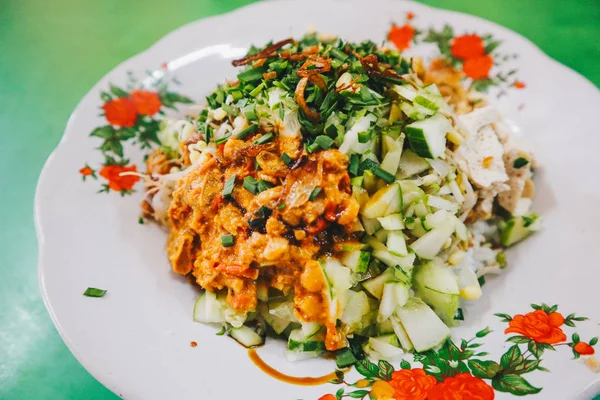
{"points": [[104, 132], [518, 339], [511, 358], [483, 333], [527, 366], [367, 369], [405, 364], [385, 370], [484, 369], [358, 394], [117, 91], [514, 384]]}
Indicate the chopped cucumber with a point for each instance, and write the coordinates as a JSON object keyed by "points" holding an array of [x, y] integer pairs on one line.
{"points": [[391, 161], [208, 309], [357, 260], [411, 164], [277, 324], [438, 286], [430, 244], [437, 219], [385, 327], [371, 225], [428, 137], [381, 347], [337, 280], [411, 193], [283, 309], [461, 230], [441, 203], [246, 336], [300, 342], [381, 235], [387, 200], [406, 263], [396, 244], [401, 333], [421, 209], [296, 355], [518, 228], [392, 222], [356, 308], [375, 285], [423, 327], [395, 294], [310, 329]]}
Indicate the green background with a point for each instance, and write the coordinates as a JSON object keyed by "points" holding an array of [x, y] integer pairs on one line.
{"points": [[52, 52]]}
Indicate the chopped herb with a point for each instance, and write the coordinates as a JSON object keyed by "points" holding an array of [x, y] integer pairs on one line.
{"points": [[324, 142], [481, 280], [314, 194], [354, 164], [229, 184], [520, 162], [251, 185], [247, 131], [257, 90], [222, 140], [93, 292], [251, 75], [281, 206], [266, 138], [287, 160], [227, 240], [459, 315], [141, 220], [222, 331]]}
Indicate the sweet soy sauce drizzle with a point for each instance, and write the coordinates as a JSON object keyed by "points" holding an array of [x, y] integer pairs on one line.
{"points": [[295, 380]]}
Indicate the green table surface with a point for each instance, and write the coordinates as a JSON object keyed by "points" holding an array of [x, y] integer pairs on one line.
{"points": [[52, 52]]}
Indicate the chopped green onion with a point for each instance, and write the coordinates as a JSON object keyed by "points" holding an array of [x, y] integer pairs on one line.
{"points": [[247, 131], [222, 331], [94, 292], [250, 113], [229, 184], [324, 142], [222, 140], [141, 220], [230, 110], [364, 137], [266, 138], [311, 148], [345, 358], [287, 160], [261, 216], [339, 54], [314, 194], [520, 162], [501, 259], [354, 164], [257, 90], [383, 174], [281, 206], [251, 185], [263, 185], [227, 240], [459, 315], [236, 94]]}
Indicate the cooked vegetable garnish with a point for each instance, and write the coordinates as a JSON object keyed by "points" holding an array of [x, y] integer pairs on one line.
{"points": [[94, 292], [377, 194]]}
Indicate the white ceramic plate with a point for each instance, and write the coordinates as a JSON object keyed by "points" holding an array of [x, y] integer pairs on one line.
{"points": [[136, 340]]}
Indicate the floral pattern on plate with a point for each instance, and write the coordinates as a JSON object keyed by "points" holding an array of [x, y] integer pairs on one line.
{"points": [[133, 116], [464, 372]]}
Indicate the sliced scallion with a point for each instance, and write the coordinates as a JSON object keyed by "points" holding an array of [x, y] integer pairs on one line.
{"points": [[227, 240], [247, 131], [324, 142], [287, 160], [229, 184], [266, 138], [314, 194], [94, 292]]}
